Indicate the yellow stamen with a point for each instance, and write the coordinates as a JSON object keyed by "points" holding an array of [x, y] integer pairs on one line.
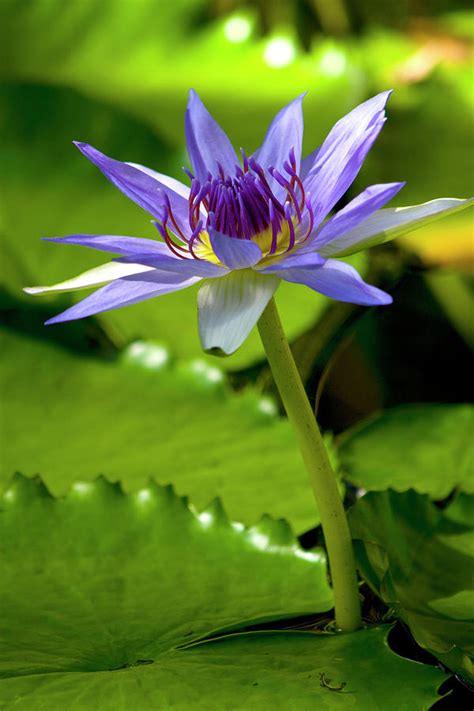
{"points": [[203, 248]]}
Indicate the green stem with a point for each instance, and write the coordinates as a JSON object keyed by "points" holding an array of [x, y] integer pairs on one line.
{"points": [[323, 481]]}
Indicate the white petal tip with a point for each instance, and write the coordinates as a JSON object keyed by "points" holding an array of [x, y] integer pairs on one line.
{"points": [[218, 352], [34, 290]]}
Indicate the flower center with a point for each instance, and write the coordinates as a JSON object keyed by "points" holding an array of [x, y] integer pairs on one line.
{"points": [[264, 206]]}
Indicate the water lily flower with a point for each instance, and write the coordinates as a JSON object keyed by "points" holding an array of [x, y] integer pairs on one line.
{"points": [[244, 224]]}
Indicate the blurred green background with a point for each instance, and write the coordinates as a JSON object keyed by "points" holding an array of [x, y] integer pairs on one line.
{"points": [[115, 73]]}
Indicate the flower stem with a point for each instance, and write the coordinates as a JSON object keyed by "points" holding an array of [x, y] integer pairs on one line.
{"points": [[333, 517]]}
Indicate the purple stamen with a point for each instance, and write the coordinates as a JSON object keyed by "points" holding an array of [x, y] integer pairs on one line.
{"points": [[300, 185], [188, 173], [195, 235], [292, 158], [266, 193], [195, 185], [291, 242], [257, 209], [288, 187], [172, 246], [275, 222], [295, 180], [244, 222], [211, 218], [311, 219], [172, 219], [245, 160], [242, 206], [196, 206], [261, 174]]}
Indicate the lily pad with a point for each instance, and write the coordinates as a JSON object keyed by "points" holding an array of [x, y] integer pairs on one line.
{"points": [[143, 416], [135, 575], [425, 447], [109, 599], [420, 560], [40, 162]]}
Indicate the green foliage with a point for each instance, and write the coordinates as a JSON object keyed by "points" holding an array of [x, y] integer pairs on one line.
{"points": [[421, 109], [142, 417], [158, 575], [425, 447], [145, 56], [106, 595], [420, 560], [109, 599]]}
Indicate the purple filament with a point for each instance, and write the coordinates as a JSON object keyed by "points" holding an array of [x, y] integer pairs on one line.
{"points": [[242, 206]]}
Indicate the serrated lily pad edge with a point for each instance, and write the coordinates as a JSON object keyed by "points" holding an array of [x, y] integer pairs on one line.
{"points": [[269, 534]]}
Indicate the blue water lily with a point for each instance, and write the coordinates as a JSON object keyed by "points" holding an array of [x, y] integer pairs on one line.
{"points": [[244, 224]]}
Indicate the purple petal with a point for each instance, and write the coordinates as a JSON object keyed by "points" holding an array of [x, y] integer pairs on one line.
{"points": [[351, 127], [207, 143], [341, 155], [339, 281], [234, 253], [124, 292], [113, 243], [140, 186], [285, 132], [167, 262], [358, 210], [176, 185], [307, 260], [308, 162]]}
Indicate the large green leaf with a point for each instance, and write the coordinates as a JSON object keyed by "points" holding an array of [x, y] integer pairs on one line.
{"points": [[49, 189], [133, 576], [77, 417], [420, 560], [425, 447], [105, 596]]}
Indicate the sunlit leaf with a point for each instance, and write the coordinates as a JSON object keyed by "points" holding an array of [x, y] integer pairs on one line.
{"points": [[424, 447], [105, 596], [98, 557], [76, 417], [420, 560]]}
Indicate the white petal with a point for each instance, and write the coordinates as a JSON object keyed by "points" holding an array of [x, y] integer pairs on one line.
{"points": [[94, 277], [385, 225], [230, 307]]}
